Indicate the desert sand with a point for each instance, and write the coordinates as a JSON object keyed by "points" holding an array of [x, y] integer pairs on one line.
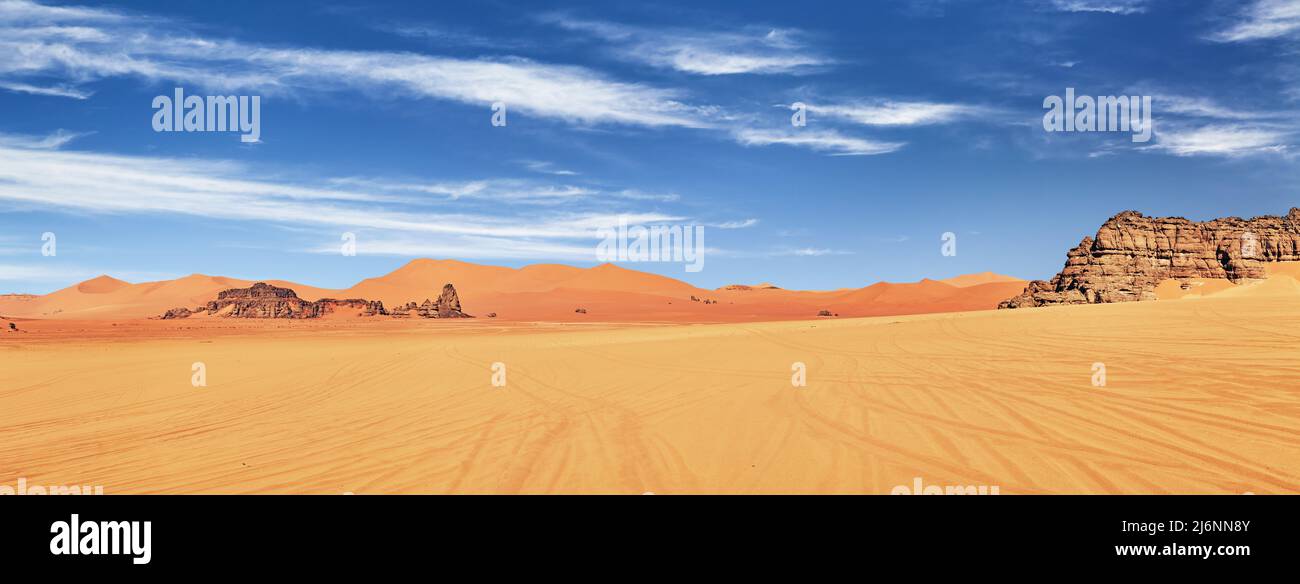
{"points": [[1202, 395]]}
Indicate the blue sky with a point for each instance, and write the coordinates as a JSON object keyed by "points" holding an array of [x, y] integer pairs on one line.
{"points": [[924, 117]]}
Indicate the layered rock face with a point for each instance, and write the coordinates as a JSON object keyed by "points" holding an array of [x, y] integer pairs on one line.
{"points": [[262, 300], [1131, 254]]}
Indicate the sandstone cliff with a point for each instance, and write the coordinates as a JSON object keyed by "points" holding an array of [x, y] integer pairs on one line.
{"points": [[262, 300], [1132, 253]]}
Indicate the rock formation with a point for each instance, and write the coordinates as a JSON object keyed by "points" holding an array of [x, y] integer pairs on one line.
{"points": [[448, 305], [363, 306], [262, 300], [1131, 254], [174, 313]]}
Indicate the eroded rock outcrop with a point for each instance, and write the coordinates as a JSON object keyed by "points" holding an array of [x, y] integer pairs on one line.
{"points": [[362, 306], [175, 313], [262, 300], [448, 305], [1131, 254]]}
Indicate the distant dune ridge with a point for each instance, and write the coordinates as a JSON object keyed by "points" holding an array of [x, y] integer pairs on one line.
{"points": [[1132, 255], [537, 292]]}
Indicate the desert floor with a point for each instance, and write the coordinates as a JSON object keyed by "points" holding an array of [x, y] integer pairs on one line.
{"points": [[1202, 395]]}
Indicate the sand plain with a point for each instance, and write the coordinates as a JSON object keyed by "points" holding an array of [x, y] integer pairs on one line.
{"points": [[1202, 395]]}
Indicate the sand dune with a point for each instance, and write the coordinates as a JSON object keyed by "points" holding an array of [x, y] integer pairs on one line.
{"points": [[1201, 397], [539, 292], [965, 280], [109, 298]]}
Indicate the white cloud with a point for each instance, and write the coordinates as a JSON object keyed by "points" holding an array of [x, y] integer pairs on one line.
{"points": [[735, 224], [505, 190], [1220, 140], [636, 195], [106, 45], [1203, 107], [545, 167], [896, 113], [829, 141], [53, 90], [26, 12], [389, 216], [1107, 6], [80, 46], [760, 51], [811, 252], [1265, 19], [51, 141]]}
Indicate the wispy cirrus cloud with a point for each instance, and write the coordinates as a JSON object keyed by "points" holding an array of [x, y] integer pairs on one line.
{"points": [[821, 140], [735, 224], [1262, 19], [438, 35], [885, 112], [82, 45], [1193, 125], [810, 252], [1205, 107], [497, 189], [50, 90], [52, 141], [1222, 140], [394, 216], [703, 52], [545, 167], [1106, 6], [79, 46], [24, 11]]}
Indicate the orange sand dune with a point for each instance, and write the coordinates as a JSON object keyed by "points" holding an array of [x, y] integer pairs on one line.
{"points": [[109, 298], [965, 280], [539, 292], [1200, 397]]}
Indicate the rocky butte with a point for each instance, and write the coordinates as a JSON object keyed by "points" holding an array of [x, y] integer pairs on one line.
{"points": [[1131, 254], [262, 300]]}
